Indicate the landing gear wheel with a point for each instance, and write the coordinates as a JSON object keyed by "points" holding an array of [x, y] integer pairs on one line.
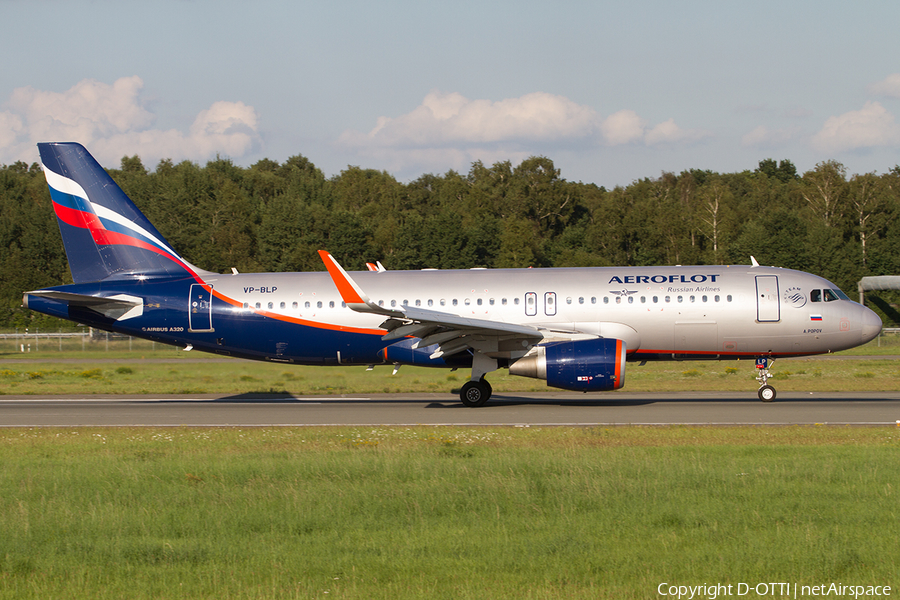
{"points": [[767, 393], [475, 393]]}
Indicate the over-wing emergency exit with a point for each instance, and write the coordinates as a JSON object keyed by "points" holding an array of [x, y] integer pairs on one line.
{"points": [[574, 328]]}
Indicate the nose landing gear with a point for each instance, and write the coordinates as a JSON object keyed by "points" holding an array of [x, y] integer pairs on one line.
{"points": [[766, 392]]}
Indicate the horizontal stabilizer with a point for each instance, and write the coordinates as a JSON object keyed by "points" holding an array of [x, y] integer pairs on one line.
{"points": [[118, 307]]}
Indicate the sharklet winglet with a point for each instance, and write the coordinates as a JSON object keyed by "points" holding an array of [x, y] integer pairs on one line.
{"points": [[350, 292]]}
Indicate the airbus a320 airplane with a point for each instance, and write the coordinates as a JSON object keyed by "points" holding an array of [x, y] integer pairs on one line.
{"points": [[574, 328]]}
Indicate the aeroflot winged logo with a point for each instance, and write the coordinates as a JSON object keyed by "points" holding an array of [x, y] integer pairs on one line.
{"points": [[664, 279]]}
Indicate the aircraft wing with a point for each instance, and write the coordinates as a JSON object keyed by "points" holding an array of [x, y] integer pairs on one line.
{"points": [[451, 332]]}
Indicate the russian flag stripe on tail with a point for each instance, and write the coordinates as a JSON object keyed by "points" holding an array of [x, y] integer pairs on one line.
{"points": [[104, 233]]}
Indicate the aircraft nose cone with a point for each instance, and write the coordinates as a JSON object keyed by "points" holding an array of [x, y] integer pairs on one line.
{"points": [[871, 325]]}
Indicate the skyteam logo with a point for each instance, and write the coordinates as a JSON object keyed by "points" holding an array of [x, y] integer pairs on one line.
{"points": [[794, 296]]}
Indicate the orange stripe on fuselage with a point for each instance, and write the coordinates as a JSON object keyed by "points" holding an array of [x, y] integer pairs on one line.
{"points": [[295, 320]]}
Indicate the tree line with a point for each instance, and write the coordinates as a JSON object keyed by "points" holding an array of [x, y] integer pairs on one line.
{"points": [[274, 217]]}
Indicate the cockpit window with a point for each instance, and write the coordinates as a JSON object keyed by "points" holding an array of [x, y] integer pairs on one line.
{"points": [[828, 295], [841, 294]]}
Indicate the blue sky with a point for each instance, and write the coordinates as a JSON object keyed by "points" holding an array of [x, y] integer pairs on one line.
{"points": [[612, 92]]}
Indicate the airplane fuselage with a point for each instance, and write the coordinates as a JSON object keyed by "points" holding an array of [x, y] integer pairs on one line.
{"points": [[662, 313]]}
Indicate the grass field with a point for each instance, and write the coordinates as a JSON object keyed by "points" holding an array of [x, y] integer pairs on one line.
{"points": [[175, 375], [442, 512], [122, 366]]}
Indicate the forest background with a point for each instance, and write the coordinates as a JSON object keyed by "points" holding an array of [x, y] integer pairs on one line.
{"points": [[274, 217]]}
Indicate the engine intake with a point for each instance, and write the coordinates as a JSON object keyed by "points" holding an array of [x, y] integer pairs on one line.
{"points": [[583, 366]]}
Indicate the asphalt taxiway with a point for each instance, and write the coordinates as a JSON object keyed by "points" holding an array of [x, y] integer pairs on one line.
{"points": [[519, 409]]}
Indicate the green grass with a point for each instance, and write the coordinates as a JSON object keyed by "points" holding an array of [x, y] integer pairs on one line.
{"points": [[234, 376], [147, 368], [442, 512]]}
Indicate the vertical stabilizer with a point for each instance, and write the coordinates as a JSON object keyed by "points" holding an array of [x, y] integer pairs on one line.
{"points": [[104, 233]]}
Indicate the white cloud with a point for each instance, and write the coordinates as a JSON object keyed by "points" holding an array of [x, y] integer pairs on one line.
{"points": [[112, 122], [623, 127], [889, 86], [668, 132], [869, 127], [450, 131], [451, 118]]}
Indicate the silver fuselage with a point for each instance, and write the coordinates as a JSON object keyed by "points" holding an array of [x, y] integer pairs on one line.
{"points": [[660, 312]]}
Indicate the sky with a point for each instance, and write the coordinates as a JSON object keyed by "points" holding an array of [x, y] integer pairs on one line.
{"points": [[612, 92]]}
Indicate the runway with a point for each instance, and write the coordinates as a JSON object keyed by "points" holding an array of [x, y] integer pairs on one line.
{"points": [[532, 409]]}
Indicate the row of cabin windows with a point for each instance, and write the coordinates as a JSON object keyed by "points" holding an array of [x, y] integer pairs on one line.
{"points": [[530, 300], [667, 299]]}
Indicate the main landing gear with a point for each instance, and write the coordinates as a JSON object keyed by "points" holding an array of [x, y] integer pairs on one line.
{"points": [[476, 393], [766, 392]]}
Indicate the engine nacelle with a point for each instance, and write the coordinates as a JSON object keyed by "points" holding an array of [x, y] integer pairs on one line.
{"points": [[583, 366]]}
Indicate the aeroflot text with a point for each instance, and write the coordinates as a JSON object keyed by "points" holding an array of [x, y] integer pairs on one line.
{"points": [[772, 590], [663, 279]]}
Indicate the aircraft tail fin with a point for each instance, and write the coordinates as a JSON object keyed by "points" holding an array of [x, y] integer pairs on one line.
{"points": [[104, 233]]}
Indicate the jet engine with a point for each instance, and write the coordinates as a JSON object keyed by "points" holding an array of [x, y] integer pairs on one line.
{"points": [[594, 365]]}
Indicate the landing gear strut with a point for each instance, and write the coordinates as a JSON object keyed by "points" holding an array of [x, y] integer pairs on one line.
{"points": [[766, 392], [475, 393]]}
